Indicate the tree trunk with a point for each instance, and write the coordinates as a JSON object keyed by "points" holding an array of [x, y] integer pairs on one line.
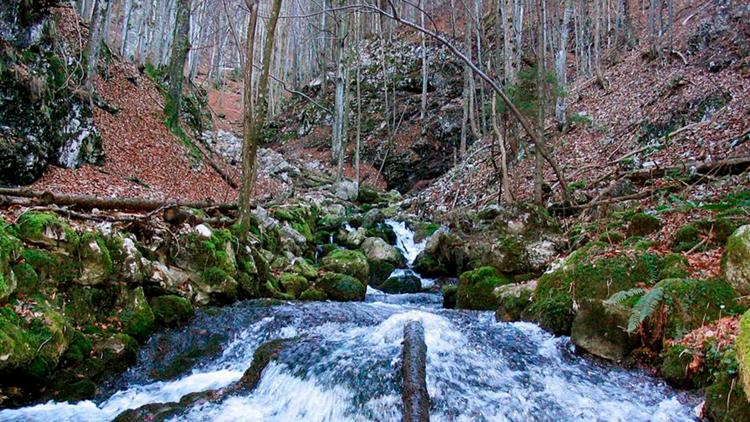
{"points": [[423, 108], [94, 44], [339, 132], [540, 87], [560, 61], [255, 111], [180, 49]]}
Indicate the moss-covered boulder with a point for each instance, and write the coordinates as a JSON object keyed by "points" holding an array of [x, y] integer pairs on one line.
{"points": [[674, 266], [691, 303], [95, 259], [703, 234], [171, 310], [404, 282], [379, 272], [293, 284], [513, 300], [343, 261], [215, 286], [476, 288], [342, 287], [736, 260], [677, 368], [443, 255], [588, 273], [302, 267], [643, 224], [136, 315], [742, 350], [599, 329], [116, 352], [376, 249], [313, 294], [10, 249], [726, 400], [47, 229]]}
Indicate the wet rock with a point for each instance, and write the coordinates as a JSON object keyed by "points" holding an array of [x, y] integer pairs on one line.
{"points": [[136, 315], [168, 279], [475, 288], [376, 249], [414, 372], [341, 287], [352, 263], [116, 352], [736, 262], [599, 329], [513, 300], [171, 310], [96, 262], [293, 284], [401, 283], [46, 229], [313, 294], [354, 238], [379, 272], [449, 296], [443, 255]]}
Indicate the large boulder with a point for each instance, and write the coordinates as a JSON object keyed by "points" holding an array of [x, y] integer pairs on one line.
{"points": [[376, 249], [345, 190], [476, 288], [342, 287], [10, 248], [513, 300], [343, 261], [736, 262], [443, 255], [599, 328], [96, 261], [742, 349], [404, 282], [135, 314], [171, 310]]}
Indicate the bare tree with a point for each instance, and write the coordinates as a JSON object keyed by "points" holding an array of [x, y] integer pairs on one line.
{"points": [[180, 49], [94, 44]]}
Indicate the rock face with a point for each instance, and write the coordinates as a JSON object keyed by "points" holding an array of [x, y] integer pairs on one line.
{"points": [[737, 260], [476, 288], [44, 122], [599, 329]]}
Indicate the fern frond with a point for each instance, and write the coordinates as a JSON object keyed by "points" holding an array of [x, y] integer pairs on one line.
{"points": [[644, 308], [624, 295]]}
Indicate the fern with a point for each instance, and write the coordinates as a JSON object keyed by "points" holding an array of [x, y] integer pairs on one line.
{"points": [[644, 308], [624, 295]]}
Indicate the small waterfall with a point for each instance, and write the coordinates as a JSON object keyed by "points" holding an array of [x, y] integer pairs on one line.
{"points": [[405, 241]]}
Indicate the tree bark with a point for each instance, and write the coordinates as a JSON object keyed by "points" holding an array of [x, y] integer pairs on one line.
{"points": [[180, 49], [560, 65], [255, 111], [94, 44]]}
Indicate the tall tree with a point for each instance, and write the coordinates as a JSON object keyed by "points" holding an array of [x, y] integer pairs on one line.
{"points": [[96, 32], [560, 64], [180, 49], [255, 111]]}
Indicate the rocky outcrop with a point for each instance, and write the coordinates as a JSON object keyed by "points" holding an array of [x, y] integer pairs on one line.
{"points": [[736, 262]]}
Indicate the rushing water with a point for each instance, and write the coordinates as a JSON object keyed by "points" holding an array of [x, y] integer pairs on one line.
{"points": [[343, 364]]}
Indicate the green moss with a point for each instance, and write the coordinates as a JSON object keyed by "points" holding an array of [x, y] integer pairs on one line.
{"points": [[675, 266], [341, 287], [10, 248], [642, 224], [136, 315], [304, 268], [31, 227], [52, 267], [379, 271], [475, 288], [293, 284], [428, 266], [586, 275], [182, 362], [87, 305], [742, 349], [313, 294], [686, 238], [79, 349], [27, 278], [675, 368], [213, 252], [726, 400], [611, 237], [449, 296], [348, 262], [171, 310]]}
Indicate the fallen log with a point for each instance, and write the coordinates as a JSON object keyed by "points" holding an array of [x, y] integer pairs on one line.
{"points": [[735, 165], [89, 202], [414, 371]]}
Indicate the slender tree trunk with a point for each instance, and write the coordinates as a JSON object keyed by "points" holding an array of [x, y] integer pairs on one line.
{"points": [[560, 64], [359, 104], [255, 111], [539, 168], [127, 10], [94, 43], [423, 108], [180, 49], [339, 130]]}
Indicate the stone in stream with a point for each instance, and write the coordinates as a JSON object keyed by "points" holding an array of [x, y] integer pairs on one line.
{"points": [[414, 371], [402, 283]]}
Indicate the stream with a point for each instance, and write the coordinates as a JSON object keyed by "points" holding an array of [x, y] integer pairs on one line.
{"points": [[344, 362]]}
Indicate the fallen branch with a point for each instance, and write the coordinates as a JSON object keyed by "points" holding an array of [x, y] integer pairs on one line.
{"points": [[722, 167], [89, 202]]}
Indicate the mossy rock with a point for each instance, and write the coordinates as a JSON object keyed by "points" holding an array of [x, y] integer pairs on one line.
{"points": [[379, 272], [449, 296], [352, 263], [423, 230], [184, 360], [304, 268], [736, 260], [726, 400], [90, 304], [742, 350], [367, 194], [78, 351], [313, 294], [46, 228], [402, 283], [199, 253], [27, 279], [382, 231], [293, 284], [136, 315], [598, 329], [272, 288], [342, 287], [513, 300], [586, 274], [300, 218], [95, 259], [690, 303], [171, 310], [10, 249], [476, 288], [675, 368], [215, 286], [116, 352], [52, 267], [428, 266], [675, 266], [703, 234], [643, 224], [611, 237]]}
